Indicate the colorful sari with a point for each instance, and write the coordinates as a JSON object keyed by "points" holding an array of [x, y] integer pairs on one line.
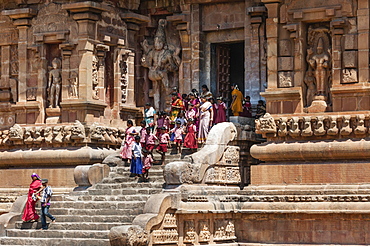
{"points": [[30, 213], [237, 106], [126, 152], [204, 119], [177, 106]]}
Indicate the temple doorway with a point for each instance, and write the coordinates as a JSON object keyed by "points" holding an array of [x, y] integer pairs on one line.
{"points": [[227, 69]]}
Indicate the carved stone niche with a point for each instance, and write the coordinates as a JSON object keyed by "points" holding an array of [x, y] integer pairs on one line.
{"points": [[54, 25]]}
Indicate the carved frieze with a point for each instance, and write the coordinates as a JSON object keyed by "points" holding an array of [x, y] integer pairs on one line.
{"points": [[189, 231], [167, 236], [204, 231], [347, 126], [224, 230]]}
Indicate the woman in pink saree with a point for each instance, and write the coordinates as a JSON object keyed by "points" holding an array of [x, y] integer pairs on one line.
{"points": [[30, 214], [126, 152]]}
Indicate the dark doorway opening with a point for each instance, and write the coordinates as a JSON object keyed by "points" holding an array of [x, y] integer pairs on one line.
{"points": [[227, 68]]}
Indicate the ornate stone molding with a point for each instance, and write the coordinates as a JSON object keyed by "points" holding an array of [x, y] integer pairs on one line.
{"points": [[60, 135], [313, 126]]}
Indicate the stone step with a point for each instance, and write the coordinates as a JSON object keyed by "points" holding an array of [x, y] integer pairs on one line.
{"points": [[145, 191], [70, 225], [112, 186], [97, 234], [54, 241], [120, 218], [109, 212], [141, 197], [97, 204]]}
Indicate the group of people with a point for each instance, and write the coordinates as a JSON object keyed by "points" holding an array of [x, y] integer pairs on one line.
{"points": [[39, 190], [186, 124]]}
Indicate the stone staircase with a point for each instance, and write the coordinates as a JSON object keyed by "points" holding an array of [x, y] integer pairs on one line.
{"points": [[85, 217]]}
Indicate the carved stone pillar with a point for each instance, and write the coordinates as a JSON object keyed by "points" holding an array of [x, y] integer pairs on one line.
{"points": [[272, 30], [134, 21], [66, 74], [255, 52], [101, 53], [363, 41], [181, 21], [196, 40], [337, 30], [21, 19]]}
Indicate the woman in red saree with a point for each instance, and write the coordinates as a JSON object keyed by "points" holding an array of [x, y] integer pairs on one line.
{"points": [[30, 214]]}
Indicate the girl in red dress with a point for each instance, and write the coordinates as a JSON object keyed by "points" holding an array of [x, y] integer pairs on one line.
{"points": [[30, 214], [190, 140], [221, 111]]}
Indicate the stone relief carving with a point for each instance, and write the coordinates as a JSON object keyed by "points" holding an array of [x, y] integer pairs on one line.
{"points": [[189, 231], [346, 128], [307, 129], [16, 132], [224, 230], [204, 232], [58, 134], [14, 63], [230, 156], [333, 129], [53, 20], [355, 125], [285, 79], [124, 76], [28, 135], [169, 221], [48, 134], [349, 75], [37, 135], [320, 128], [283, 127], [78, 131], [161, 59], [165, 236], [96, 132], [360, 125], [294, 130], [266, 125], [319, 64], [95, 80], [31, 94], [73, 85], [55, 83], [67, 134]]}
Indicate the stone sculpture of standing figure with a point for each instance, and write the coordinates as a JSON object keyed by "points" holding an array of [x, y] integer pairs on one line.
{"points": [[319, 62], [54, 83], [161, 59]]}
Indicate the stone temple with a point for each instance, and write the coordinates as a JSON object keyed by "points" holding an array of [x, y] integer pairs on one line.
{"points": [[73, 72]]}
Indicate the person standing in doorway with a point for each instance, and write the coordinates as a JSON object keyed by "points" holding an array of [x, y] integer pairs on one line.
{"points": [[45, 204], [237, 98]]}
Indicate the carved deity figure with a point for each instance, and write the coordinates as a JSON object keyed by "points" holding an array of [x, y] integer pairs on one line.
{"points": [[55, 83], [161, 59], [309, 80], [318, 61], [73, 85]]}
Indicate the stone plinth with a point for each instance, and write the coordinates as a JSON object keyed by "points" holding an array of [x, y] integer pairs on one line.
{"points": [[310, 173]]}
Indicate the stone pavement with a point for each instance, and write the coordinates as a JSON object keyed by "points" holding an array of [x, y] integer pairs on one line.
{"points": [[85, 217]]}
